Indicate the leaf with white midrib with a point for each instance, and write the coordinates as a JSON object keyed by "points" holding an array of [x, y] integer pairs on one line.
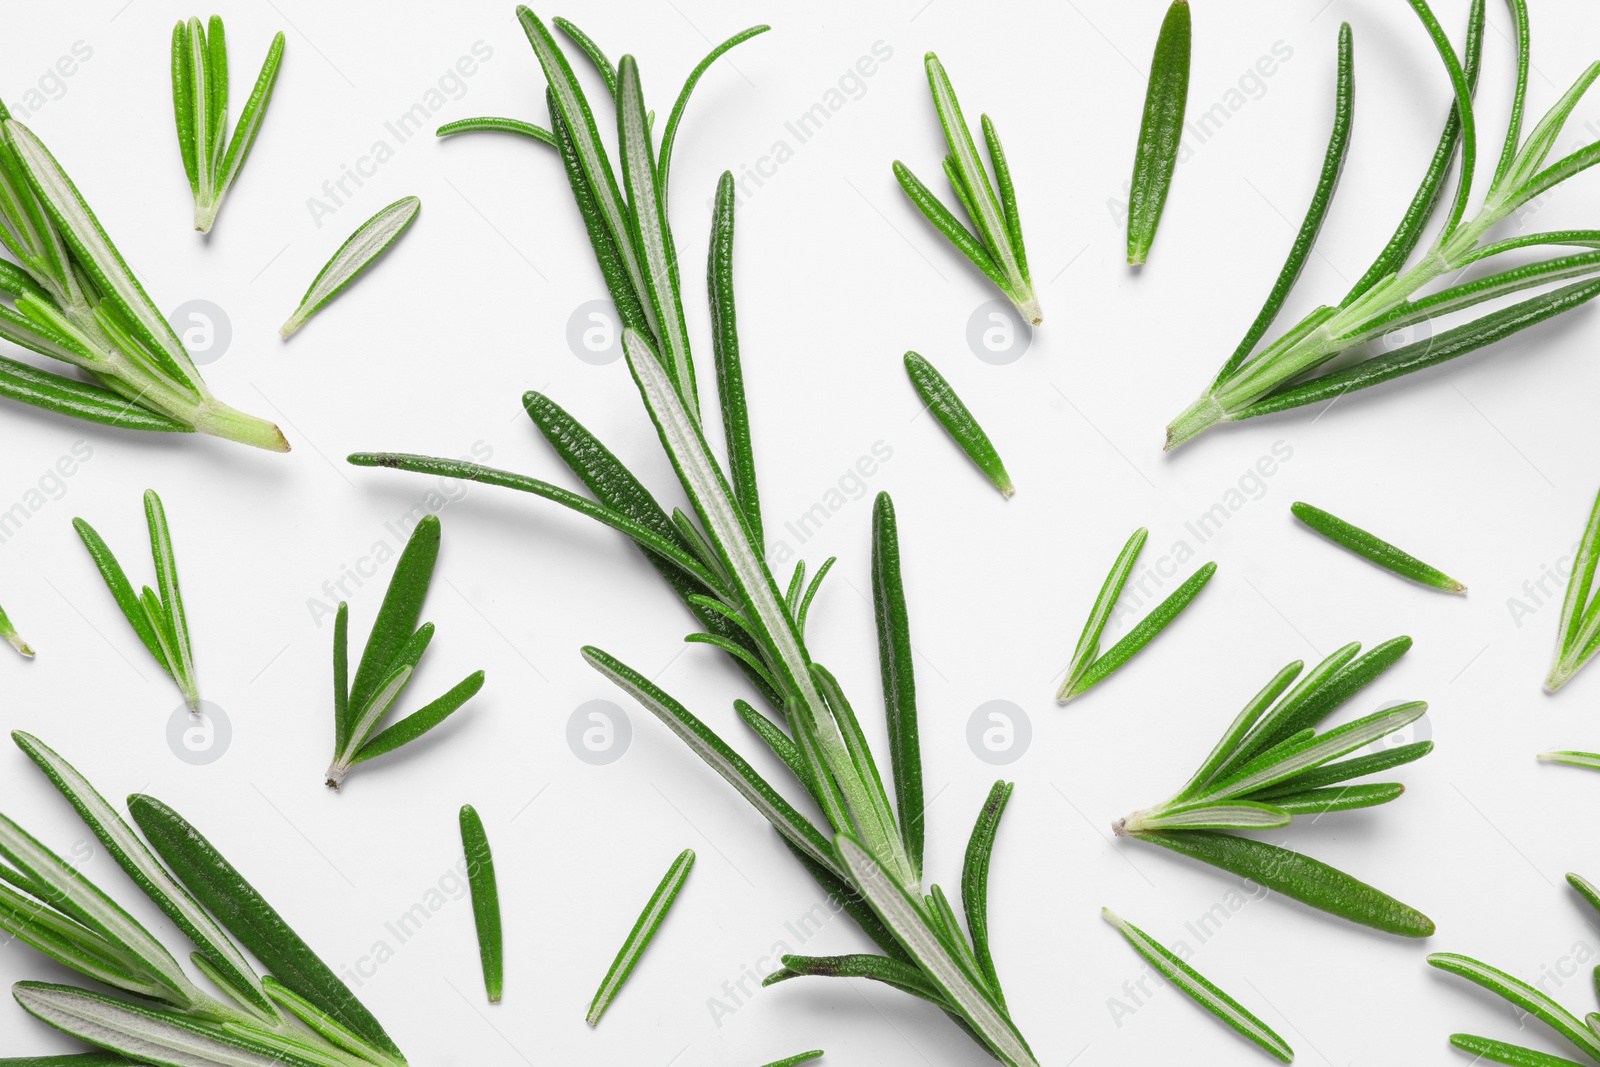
{"points": [[365, 245]]}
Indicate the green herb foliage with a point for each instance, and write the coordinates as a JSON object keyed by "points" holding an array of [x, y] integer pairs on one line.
{"points": [[371, 239], [301, 1015], [1292, 370], [1272, 765], [1374, 548], [938, 397], [73, 298], [869, 854], [1161, 132], [393, 651], [211, 158], [12, 638], [996, 248], [643, 932], [156, 615], [485, 901], [1578, 633]]}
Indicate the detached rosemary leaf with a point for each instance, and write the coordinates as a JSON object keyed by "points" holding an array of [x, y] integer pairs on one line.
{"points": [[1590, 760], [485, 901], [787, 1061], [14, 639], [1374, 548], [899, 678], [1199, 989], [369, 242], [644, 930], [1160, 617], [1298, 877], [941, 399], [1161, 132], [1522, 996], [234, 902]]}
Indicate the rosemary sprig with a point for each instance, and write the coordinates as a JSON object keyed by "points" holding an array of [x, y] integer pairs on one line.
{"points": [[1578, 633], [1199, 989], [938, 397], [1287, 373], [1271, 765], [156, 615], [643, 932], [74, 299], [996, 248], [211, 158], [1088, 667], [869, 856], [301, 1015], [1161, 131], [485, 901], [357, 253], [393, 650], [1528, 1001], [12, 638], [1388, 556]]}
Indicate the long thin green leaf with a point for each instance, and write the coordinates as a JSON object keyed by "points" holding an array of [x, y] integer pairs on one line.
{"points": [[644, 930], [183, 102], [946, 223], [670, 134], [975, 882], [1522, 996], [1334, 773], [1200, 989], [1133, 642], [1110, 592], [898, 671], [797, 1059], [1386, 555], [74, 946], [498, 124], [1485, 1048], [1160, 132], [1205, 815], [1228, 745], [1311, 225], [369, 241], [171, 598], [588, 47], [400, 611], [1469, 127], [216, 86], [422, 720], [249, 126], [1298, 877], [1338, 798], [485, 901], [1321, 693], [1272, 768], [891, 972], [1572, 758], [243, 912], [79, 400], [938, 396], [725, 337], [121, 589]]}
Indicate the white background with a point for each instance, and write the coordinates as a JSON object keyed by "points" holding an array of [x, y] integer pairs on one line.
{"points": [[1482, 467]]}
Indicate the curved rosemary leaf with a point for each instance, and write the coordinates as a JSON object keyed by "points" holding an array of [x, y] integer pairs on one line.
{"points": [[1469, 133], [1199, 989], [671, 132], [891, 972], [975, 882], [485, 901], [1133, 642], [589, 48], [938, 397], [725, 338], [781, 744], [1298, 877], [1374, 548], [1310, 226], [243, 912], [1522, 996], [1161, 131], [72, 1059], [644, 930], [369, 241], [899, 678], [500, 125]]}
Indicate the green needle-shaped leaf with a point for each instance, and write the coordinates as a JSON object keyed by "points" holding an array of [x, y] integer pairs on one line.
{"points": [[1522, 996], [975, 882], [1199, 989], [12, 638], [1297, 877], [669, 137], [644, 930], [171, 599], [725, 335], [891, 972], [787, 1061], [1161, 132], [899, 677], [401, 609], [938, 397], [1374, 548], [1484, 1048], [497, 124], [369, 242], [485, 901], [1590, 760], [243, 912], [1133, 642]]}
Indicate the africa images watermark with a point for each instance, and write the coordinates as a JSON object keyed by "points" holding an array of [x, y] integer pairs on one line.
{"points": [[802, 929], [48, 487], [851, 485], [52, 84], [405, 126], [850, 86], [396, 531], [449, 888]]}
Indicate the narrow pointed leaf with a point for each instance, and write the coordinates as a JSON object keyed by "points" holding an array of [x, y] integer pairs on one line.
{"points": [[485, 901], [1133, 642], [369, 241], [1110, 592], [171, 598], [899, 678], [644, 930], [938, 397], [669, 135], [975, 883], [1161, 132], [498, 124], [1379, 551], [1522, 996], [121, 589], [401, 610], [422, 720], [725, 336]]}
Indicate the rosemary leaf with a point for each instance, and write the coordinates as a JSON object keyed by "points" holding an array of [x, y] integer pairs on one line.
{"points": [[369, 242], [1199, 989], [787, 1061], [644, 930], [1161, 132], [12, 638], [1374, 548], [899, 677], [938, 397], [485, 901]]}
